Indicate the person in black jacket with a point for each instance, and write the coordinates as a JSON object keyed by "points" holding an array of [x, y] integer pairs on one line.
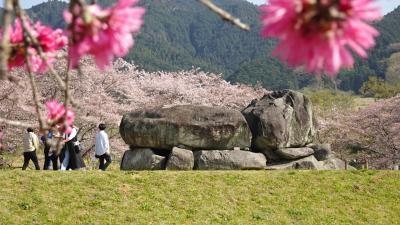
{"points": [[70, 156], [46, 143], [51, 142]]}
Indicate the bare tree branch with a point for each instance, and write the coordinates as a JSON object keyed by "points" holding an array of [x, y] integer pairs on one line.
{"points": [[66, 94], [15, 123], [5, 45], [225, 15], [28, 39], [42, 123], [90, 127]]}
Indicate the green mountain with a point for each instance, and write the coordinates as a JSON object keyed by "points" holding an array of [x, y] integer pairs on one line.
{"points": [[181, 34], [378, 62]]}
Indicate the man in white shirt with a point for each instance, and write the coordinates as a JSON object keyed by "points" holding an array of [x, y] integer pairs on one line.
{"points": [[102, 147], [31, 144]]}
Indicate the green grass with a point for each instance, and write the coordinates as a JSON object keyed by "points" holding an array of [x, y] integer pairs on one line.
{"points": [[216, 197], [362, 102]]}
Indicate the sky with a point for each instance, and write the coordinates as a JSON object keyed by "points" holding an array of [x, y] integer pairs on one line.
{"points": [[386, 5]]}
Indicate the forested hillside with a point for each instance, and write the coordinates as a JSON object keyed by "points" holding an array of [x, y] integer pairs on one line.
{"points": [[181, 34], [378, 63]]}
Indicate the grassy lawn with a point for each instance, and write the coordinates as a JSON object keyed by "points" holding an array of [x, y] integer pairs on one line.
{"points": [[361, 102], [216, 197]]}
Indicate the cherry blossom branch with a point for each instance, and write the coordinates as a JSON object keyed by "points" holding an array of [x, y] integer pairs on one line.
{"points": [[15, 123], [21, 13], [66, 93], [7, 93], [88, 150], [225, 15], [5, 40], [28, 39], [386, 134], [35, 97], [90, 128]]}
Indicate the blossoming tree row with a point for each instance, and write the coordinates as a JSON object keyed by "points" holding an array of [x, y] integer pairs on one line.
{"points": [[108, 95], [320, 35]]}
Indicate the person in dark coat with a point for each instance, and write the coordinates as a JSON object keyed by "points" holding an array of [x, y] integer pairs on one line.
{"points": [[51, 143], [46, 143], [70, 156]]}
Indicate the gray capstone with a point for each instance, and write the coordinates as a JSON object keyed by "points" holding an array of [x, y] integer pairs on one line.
{"points": [[191, 126]]}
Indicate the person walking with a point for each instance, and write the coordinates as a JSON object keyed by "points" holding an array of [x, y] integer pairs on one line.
{"points": [[31, 145], [51, 144], [46, 139], [102, 147], [70, 155]]}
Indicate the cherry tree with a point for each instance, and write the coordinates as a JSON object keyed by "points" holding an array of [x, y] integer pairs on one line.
{"points": [[326, 32], [367, 135], [106, 96]]}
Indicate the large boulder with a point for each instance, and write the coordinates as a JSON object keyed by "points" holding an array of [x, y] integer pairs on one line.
{"points": [[142, 159], [194, 127], [180, 159], [305, 163], [333, 163], [294, 153], [322, 151], [228, 160], [281, 119]]}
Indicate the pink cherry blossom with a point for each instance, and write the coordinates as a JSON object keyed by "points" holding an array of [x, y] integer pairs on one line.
{"points": [[59, 117], [49, 40], [106, 96], [320, 35], [105, 33]]}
